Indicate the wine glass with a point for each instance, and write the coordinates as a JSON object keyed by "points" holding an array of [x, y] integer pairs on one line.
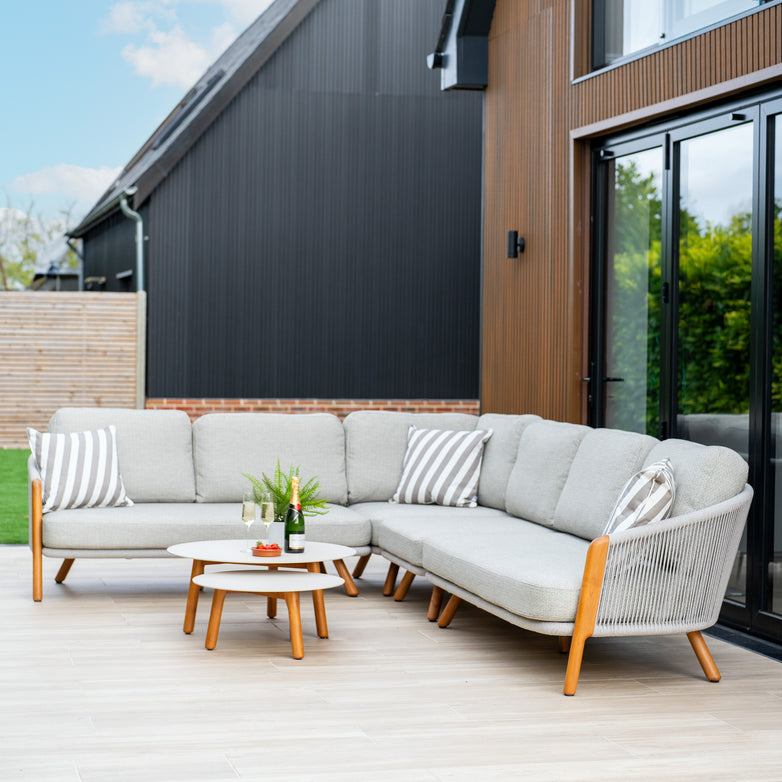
{"points": [[248, 512], [267, 511]]}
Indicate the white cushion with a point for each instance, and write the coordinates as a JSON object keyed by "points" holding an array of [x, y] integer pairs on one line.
{"points": [[647, 497], [441, 467], [78, 469]]}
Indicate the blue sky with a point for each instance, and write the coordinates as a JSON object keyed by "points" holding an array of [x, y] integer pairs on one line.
{"points": [[86, 82]]}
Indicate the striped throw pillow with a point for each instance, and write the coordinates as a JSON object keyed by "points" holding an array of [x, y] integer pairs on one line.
{"points": [[78, 469], [648, 496], [441, 467]]}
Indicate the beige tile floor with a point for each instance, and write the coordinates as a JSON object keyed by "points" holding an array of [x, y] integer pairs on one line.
{"points": [[99, 684]]}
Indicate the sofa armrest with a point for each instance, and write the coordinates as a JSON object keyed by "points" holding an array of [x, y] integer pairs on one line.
{"points": [[35, 539], [671, 576]]}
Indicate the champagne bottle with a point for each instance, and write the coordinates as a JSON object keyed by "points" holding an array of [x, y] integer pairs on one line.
{"points": [[294, 521]]}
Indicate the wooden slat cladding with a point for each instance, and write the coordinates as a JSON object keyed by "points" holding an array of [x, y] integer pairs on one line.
{"points": [[538, 127], [63, 349]]}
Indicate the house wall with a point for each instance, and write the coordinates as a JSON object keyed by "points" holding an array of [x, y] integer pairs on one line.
{"points": [[322, 238], [540, 118]]}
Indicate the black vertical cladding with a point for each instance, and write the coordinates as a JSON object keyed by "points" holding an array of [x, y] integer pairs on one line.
{"points": [[322, 237]]}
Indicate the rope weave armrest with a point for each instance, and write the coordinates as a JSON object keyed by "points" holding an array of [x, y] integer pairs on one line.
{"points": [[671, 576]]}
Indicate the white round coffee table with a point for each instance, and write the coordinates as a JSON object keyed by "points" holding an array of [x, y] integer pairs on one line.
{"points": [[274, 584], [235, 552]]}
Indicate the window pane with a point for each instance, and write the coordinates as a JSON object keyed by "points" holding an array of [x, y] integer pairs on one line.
{"points": [[632, 367], [715, 267]]}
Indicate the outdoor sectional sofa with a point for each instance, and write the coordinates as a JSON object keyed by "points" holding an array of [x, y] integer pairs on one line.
{"points": [[532, 551]]}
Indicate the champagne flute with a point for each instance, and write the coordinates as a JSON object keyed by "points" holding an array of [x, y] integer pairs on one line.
{"points": [[267, 512], [248, 512]]}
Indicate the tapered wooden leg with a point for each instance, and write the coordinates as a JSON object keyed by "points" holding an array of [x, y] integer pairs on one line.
{"points": [[319, 605], [704, 656], [404, 585], [215, 616], [388, 587], [358, 570], [65, 568], [586, 613], [435, 601], [36, 542], [563, 643], [192, 596], [294, 619], [271, 607], [344, 574], [322, 567], [450, 609]]}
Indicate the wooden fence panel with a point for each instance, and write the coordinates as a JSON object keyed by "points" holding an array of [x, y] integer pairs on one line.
{"points": [[67, 349]]}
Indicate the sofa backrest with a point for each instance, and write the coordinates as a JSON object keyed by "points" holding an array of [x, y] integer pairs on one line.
{"points": [[499, 455], [605, 460], [154, 448], [376, 443], [546, 451], [226, 445], [704, 474]]}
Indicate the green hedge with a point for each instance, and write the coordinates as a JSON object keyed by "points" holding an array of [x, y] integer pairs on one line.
{"points": [[13, 496]]}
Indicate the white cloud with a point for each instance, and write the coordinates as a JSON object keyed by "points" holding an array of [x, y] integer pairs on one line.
{"points": [[75, 183], [169, 58], [164, 51]]}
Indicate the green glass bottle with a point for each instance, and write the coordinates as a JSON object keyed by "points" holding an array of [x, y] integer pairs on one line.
{"points": [[294, 521]]}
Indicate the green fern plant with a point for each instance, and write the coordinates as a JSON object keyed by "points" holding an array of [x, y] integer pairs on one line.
{"points": [[279, 487]]}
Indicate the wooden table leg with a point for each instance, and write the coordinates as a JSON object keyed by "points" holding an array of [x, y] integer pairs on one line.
{"points": [[350, 586], [192, 596], [271, 602], [214, 618], [294, 619], [319, 604]]}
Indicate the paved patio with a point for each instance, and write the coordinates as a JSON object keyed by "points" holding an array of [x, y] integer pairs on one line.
{"points": [[100, 684]]}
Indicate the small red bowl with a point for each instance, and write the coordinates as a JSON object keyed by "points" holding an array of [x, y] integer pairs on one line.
{"points": [[266, 552]]}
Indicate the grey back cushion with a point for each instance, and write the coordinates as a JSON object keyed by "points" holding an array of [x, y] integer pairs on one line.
{"points": [[226, 445], [154, 448], [606, 459], [704, 474], [376, 443], [499, 455], [546, 451]]}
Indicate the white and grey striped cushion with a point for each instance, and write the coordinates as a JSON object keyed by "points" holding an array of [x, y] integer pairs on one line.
{"points": [[79, 469], [648, 496], [441, 467]]}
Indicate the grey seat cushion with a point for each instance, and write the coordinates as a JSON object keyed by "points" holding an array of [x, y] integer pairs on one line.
{"points": [[154, 448], [525, 568], [157, 526], [704, 475], [604, 462], [499, 455], [401, 529], [226, 445], [376, 443]]}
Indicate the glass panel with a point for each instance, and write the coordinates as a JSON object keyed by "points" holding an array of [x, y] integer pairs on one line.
{"points": [[632, 326], [775, 471], [686, 16], [715, 267]]}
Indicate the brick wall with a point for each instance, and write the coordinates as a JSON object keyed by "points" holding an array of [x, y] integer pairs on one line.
{"points": [[339, 407]]}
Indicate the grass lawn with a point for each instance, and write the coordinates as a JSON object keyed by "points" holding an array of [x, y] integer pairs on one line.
{"points": [[13, 495]]}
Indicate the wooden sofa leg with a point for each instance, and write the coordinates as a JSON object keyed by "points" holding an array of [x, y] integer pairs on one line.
{"points": [[450, 609], [704, 656], [435, 602], [358, 570], [37, 542], [563, 643], [65, 568], [388, 587], [404, 585], [586, 613]]}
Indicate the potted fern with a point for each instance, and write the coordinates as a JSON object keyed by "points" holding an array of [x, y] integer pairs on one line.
{"points": [[278, 487]]}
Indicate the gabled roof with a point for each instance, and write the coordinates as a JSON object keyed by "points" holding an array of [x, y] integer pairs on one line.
{"points": [[462, 50], [200, 106]]}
